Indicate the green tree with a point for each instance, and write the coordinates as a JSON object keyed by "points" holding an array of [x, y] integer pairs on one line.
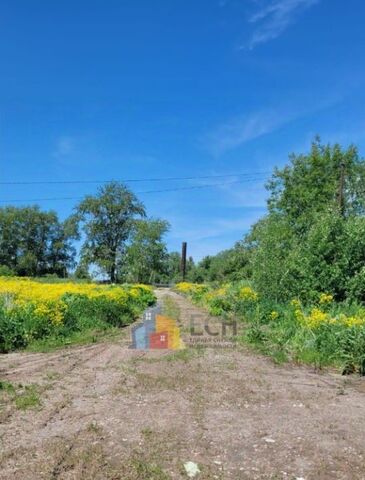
{"points": [[107, 220], [310, 185], [146, 254], [274, 258], [229, 265], [308, 242], [82, 272], [33, 242], [173, 267]]}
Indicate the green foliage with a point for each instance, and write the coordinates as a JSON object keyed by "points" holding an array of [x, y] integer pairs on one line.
{"points": [[275, 258], [331, 258], [146, 255], [84, 317], [5, 271], [324, 333], [108, 219], [328, 344], [307, 243], [82, 272], [228, 265], [310, 185], [172, 268], [33, 242]]}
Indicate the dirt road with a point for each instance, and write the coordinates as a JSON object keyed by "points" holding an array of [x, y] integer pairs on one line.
{"points": [[109, 412]]}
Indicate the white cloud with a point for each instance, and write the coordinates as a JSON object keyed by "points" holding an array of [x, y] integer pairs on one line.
{"points": [[240, 130], [272, 19]]}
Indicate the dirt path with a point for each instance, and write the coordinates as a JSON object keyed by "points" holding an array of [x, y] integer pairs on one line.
{"points": [[108, 412]]}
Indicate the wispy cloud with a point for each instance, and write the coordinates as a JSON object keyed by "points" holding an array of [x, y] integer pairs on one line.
{"points": [[273, 18], [64, 146], [242, 129]]}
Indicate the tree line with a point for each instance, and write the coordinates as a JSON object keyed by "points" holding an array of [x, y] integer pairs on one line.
{"points": [[311, 239], [119, 242]]}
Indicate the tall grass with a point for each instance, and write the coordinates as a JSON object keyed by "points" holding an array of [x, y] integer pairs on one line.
{"points": [[323, 333]]}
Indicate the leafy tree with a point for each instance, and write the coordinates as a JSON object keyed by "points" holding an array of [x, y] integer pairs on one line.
{"points": [[307, 242], [172, 267], [274, 258], [310, 185], [82, 272], [334, 256], [146, 254], [33, 242], [228, 265], [108, 219]]}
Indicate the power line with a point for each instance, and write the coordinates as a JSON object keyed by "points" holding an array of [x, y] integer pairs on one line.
{"points": [[176, 189], [156, 179]]}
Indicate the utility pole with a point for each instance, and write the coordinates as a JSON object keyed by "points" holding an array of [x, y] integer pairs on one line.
{"points": [[183, 260], [341, 190]]}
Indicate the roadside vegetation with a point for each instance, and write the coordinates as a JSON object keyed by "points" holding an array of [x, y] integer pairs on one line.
{"points": [[298, 276], [34, 314], [323, 333]]}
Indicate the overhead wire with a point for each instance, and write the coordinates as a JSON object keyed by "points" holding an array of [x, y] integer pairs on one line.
{"points": [[175, 189], [131, 180]]}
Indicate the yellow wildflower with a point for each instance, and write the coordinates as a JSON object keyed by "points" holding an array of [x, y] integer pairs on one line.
{"points": [[295, 303], [354, 321], [46, 300], [325, 298], [316, 318], [247, 293]]}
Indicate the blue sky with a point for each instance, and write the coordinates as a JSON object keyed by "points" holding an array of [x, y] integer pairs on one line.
{"points": [[168, 88]]}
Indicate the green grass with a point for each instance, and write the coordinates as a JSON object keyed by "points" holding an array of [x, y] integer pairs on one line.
{"points": [[184, 355], [84, 337], [170, 308], [323, 333], [24, 397], [285, 340], [6, 387], [29, 398], [148, 471]]}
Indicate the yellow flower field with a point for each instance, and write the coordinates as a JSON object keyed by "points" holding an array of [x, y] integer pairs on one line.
{"points": [[29, 309]]}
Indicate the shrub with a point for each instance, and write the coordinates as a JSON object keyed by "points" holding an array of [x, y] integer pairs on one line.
{"points": [[323, 333], [5, 271]]}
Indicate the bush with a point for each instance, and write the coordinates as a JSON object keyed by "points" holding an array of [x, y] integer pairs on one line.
{"points": [[323, 333], [5, 271]]}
